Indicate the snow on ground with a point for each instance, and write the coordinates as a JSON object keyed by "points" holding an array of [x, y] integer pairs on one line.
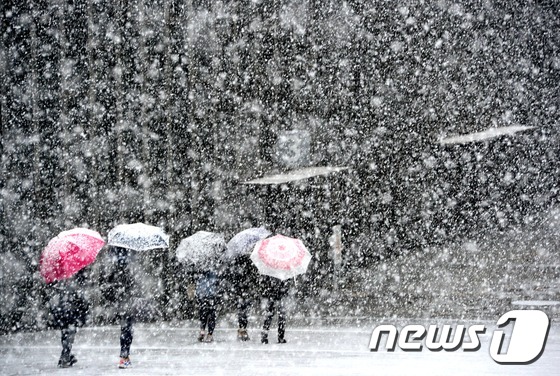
{"points": [[317, 349]]}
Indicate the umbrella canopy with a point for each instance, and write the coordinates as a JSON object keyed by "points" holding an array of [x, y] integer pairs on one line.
{"points": [[243, 242], [281, 257], [138, 237], [69, 252], [201, 248]]}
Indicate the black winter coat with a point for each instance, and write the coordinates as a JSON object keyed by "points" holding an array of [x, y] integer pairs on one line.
{"points": [[67, 302], [243, 276], [273, 288], [118, 283]]}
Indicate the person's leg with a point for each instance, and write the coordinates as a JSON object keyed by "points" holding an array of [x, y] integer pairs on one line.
{"points": [[67, 339], [202, 313], [210, 310], [127, 334], [243, 304], [281, 321], [211, 314], [242, 308], [203, 317], [269, 313]]}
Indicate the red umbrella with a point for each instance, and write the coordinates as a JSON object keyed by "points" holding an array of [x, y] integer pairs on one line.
{"points": [[69, 252], [281, 257]]}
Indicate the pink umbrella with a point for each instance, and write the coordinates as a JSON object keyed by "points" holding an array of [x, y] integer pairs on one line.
{"points": [[281, 257], [69, 252]]}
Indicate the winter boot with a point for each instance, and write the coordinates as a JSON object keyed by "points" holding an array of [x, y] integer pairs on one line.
{"points": [[67, 362], [281, 339], [201, 336], [264, 337], [209, 338], [125, 363], [242, 335]]}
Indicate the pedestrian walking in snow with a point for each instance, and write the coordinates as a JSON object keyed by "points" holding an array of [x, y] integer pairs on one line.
{"points": [[243, 277], [69, 308], [274, 291], [119, 291], [242, 273], [131, 291], [207, 298]]}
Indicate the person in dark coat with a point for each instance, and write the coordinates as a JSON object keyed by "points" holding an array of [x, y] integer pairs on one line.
{"points": [[273, 292], [69, 308], [244, 279], [207, 296], [120, 285]]}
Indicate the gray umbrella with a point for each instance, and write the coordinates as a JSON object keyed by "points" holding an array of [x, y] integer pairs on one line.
{"points": [[243, 242], [201, 248]]}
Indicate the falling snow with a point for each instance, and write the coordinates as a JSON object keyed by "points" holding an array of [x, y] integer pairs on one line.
{"points": [[434, 126]]}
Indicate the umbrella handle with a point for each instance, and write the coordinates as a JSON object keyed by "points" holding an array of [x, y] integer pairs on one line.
{"points": [[295, 282]]}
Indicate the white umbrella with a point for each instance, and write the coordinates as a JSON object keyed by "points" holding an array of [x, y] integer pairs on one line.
{"points": [[281, 257], [201, 247], [138, 237]]}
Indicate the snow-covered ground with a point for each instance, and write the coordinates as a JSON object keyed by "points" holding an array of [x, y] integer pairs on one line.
{"points": [[316, 349]]}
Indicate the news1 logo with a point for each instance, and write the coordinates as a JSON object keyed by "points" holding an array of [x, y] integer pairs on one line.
{"points": [[526, 342]]}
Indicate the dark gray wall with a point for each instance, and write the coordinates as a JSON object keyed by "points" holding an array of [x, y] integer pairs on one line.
{"points": [[118, 111]]}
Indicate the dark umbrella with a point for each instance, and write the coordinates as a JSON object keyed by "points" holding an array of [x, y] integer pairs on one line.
{"points": [[244, 242]]}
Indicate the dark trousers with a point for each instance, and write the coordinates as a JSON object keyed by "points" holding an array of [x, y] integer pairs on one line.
{"points": [[67, 339], [243, 304], [207, 313], [271, 307], [127, 332]]}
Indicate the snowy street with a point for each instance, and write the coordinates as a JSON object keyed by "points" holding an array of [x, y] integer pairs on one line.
{"points": [[318, 349]]}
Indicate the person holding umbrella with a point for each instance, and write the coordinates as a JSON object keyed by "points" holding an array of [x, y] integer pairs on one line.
{"points": [[203, 251], [69, 308], [278, 259], [207, 297], [242, 274], [243, 277], [125, 242], [121, 286], [63, 265], [273, 292]]}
